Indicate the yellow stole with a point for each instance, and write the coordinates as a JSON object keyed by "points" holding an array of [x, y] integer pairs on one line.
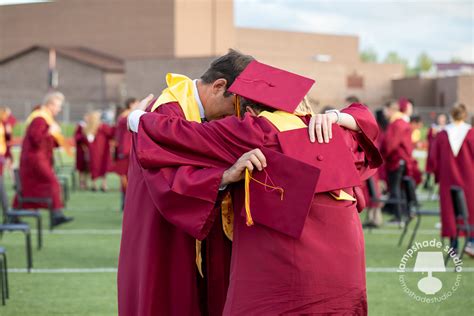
{"points": [[46, 115], [181, 90], [3, 141]]}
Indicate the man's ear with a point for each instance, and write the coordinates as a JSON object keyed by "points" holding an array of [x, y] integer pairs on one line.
{"points": [[219, 85]]}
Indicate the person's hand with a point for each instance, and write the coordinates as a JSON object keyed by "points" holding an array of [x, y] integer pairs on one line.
{"points": [[145, 102], [250, 160], [320, 126]]}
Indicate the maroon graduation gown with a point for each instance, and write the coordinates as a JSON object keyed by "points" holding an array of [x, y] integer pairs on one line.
{"points": [[82, 159], [453, 170], [123, 139], [272, 273], [99, 151], [36, 166], [397, 145], [166, 210]]}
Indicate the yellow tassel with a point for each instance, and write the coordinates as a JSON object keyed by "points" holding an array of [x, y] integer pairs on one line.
{"points": [[247, 198], [237, 105], [248, 177]]}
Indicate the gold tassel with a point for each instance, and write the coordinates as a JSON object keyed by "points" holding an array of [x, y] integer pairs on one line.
{"points": [[237, 105], [248, 177]]}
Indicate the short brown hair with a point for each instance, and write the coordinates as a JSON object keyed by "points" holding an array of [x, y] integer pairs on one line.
{"points": [[227, 67], [459, 112]]}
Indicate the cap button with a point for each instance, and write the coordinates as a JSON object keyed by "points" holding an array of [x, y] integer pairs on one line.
{"points": [[320, 157]]}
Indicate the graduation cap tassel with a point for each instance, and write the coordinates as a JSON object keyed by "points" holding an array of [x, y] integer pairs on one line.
{"points": [[237, 105], [249, 219], [248, 177]]}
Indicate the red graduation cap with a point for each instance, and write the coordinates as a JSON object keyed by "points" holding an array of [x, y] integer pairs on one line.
{"points": [[270, 86], [280, 195]]}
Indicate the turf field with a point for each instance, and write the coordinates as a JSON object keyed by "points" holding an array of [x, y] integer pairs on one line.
{"points": [[76, 270]]}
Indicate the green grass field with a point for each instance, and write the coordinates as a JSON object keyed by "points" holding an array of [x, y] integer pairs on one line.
{"points": [[91, 243]]}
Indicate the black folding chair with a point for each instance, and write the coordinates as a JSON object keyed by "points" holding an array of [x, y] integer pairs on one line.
{"points": [[4, 275], [21, 199], [462, 216], [9, 215], [413, 209], [61, 168], [25, 229]]}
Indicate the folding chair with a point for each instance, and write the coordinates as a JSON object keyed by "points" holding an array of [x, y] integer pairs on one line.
{"points": [[25, 229], [60, 168], [413, 209], [21, 199], [462, 216], [10, 214], [3, 275]]}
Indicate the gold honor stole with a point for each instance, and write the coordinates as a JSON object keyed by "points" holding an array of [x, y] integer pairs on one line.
{"points": [[283, 121], [181, 90], [46, 115], [3, 141]]}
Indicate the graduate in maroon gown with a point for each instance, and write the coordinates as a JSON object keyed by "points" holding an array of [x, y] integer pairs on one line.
{"points": [[97, 136], [37, 175], [159, 254], [82, 155], [286, 258], [123, 144], [9, 121], [452, 161], [397, 146], [441, 121]]}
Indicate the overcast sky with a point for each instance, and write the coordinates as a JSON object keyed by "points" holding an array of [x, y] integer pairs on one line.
{"points": [[443, 29]]}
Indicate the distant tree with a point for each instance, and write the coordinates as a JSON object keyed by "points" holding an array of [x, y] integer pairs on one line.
{"points": [[393, 58], [423, 63], [368, 55], [457, 60]]}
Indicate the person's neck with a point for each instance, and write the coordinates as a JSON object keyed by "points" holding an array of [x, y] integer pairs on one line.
{"points": [[457, 123], [47, 109], [202, 89]]}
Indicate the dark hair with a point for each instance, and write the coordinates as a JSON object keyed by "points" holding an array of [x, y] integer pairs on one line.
{"points": [[352, 99], [459, 112], [415, 119], [227, 67], [381, 119], [129, 102], [258, 107]]}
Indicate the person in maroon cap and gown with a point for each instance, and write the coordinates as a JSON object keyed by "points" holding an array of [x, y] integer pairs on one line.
{"points": [[301, 275], [397, 146], [452, 161], [82, 153], [37, 176], [97, 136], [157, 270], [441, 121], [123, 141]]}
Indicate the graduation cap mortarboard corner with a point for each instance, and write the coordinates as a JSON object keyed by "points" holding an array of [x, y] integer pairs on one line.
{"points": [[272, 87]]}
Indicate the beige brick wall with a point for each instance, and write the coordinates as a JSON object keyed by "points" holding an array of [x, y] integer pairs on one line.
{"points": [[297, 45], [203, 27]]}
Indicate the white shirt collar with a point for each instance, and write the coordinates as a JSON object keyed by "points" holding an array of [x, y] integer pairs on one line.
{"points": [[456, 136], [198, 100]]}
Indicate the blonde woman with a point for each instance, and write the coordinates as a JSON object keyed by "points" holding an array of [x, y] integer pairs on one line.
{"points": [[97, 136]]}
